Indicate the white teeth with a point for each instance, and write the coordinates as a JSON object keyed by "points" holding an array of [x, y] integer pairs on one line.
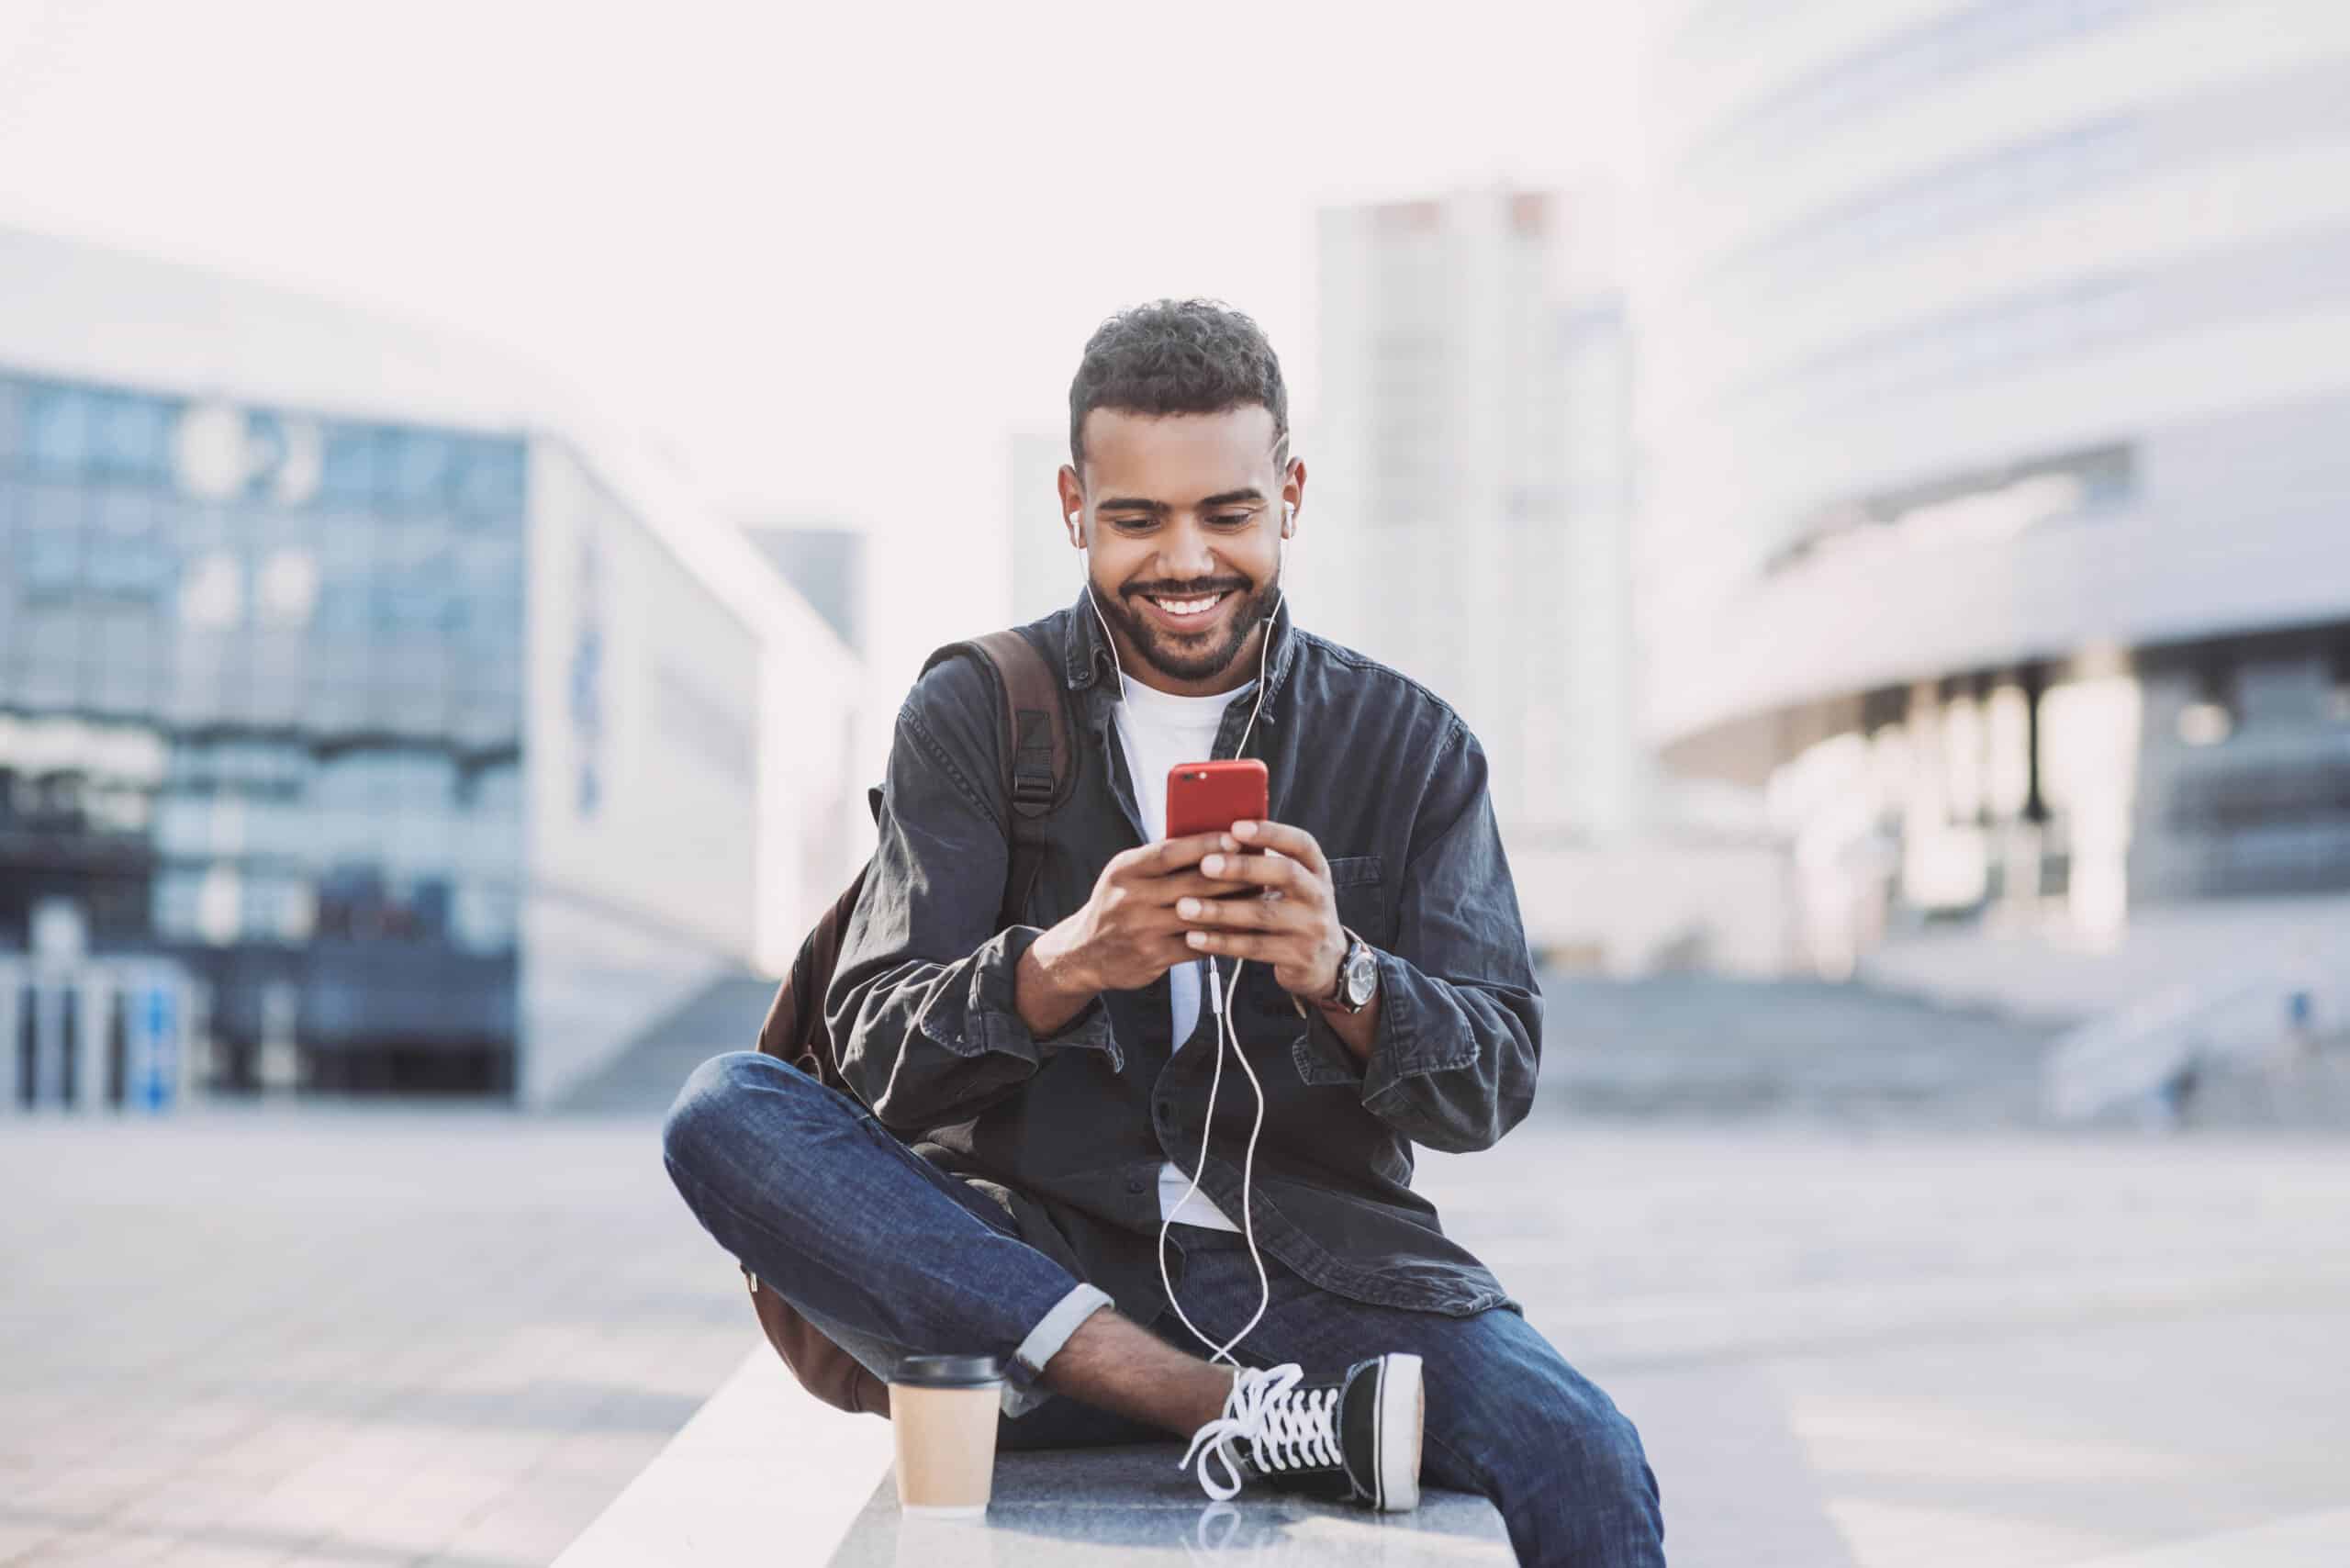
{"points": [[1186, 606]]}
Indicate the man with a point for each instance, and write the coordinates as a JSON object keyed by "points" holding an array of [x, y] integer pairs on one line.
{"points": [[1055, 1074]]}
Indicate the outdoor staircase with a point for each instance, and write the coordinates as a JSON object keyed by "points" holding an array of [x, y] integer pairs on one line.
{"points": [[644, 1077]]}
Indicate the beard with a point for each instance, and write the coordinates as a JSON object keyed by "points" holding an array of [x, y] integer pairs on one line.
{"points": [[1199, 656]]}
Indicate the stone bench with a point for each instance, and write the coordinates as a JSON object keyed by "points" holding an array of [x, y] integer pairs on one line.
{"points": [[765, 1474]]}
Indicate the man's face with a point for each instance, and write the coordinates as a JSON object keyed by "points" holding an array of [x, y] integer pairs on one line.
{"points": [[1183, 515]]}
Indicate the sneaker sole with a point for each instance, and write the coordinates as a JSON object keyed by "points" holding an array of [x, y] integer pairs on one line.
{"points": [[1403, 1408]]}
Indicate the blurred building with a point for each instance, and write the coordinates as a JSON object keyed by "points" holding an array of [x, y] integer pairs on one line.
{"points": [[1439, 526], [1995, 358], [1467, 506], [1046, 571], [428, 726], [827, 566]]}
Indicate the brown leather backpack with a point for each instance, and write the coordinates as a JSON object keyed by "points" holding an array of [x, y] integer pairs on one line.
{"points": [[1037, 776]]}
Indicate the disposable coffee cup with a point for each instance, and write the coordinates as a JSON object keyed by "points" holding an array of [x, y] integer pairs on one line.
{"points": [[942, 1414]]}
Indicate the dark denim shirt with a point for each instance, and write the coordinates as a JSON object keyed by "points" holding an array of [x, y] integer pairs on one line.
{"points": [[1067, 1130]]}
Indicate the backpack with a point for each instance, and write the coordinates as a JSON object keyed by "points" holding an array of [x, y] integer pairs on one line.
{"points": [[1037, 777]]}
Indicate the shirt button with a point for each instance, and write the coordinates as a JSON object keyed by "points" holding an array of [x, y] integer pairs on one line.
{"points": [[1134, 1183], [1166, 1109]]}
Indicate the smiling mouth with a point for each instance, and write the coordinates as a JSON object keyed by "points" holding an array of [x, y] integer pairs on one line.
{"points": [[1192, 610]]}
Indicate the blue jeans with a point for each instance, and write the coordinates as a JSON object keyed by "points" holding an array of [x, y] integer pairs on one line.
{"points": [[892, 1257]]}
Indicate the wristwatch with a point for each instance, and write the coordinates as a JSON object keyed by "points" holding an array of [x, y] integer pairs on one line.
{"points": [[1358, 978]]}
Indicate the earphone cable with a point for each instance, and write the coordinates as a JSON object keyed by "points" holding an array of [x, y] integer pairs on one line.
{"points": [[1220, 1003]]}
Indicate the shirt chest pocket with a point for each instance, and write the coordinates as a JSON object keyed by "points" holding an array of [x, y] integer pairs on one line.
{"points": [[1360, 887], [1323, 1060]]}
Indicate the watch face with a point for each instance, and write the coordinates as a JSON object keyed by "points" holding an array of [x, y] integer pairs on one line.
{"points": [[1363, 973]]}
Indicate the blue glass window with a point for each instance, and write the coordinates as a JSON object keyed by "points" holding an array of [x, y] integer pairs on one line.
{"points": [[265, 443], [132, 437], [48, 537], [52, 561], [12, 399], [133, 566], [416, 593], [57, 431], [490, 480], [420, 471], [348, 470]]}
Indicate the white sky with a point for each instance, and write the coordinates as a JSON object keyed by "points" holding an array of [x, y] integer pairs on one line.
{"points": [[829, 255]]}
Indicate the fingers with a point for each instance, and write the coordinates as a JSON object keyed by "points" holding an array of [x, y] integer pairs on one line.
{"points": [[1164, 892], [1293, 842], [1198, 887], [1246, 915], [1270, 948], [1293, 877], [1147, 956], [1169, 950], [1166, 855]]}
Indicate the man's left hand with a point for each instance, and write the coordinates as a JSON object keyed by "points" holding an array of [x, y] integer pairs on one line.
{"points": [[1292, 926]]}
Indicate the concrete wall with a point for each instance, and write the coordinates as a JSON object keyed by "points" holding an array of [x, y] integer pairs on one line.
{"points": [[642, 778], [1629, 907]]}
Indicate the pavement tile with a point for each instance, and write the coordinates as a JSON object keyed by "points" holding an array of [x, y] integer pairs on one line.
{"points": [[1840, 1348], [101, 1548], [533, 1525], [18, 1536]]}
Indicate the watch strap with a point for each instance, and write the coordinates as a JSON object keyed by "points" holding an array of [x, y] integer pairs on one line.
{"points": [[1335, 1002]]}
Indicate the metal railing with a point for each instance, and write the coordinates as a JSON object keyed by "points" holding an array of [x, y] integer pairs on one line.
{"points": [[92, 1033], [2150, 1054]]}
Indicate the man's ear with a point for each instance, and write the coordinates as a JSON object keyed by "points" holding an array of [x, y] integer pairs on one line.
{"points": [[1072, 498], [1293, 496]]}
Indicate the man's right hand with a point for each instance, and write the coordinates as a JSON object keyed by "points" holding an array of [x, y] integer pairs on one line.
{"points": [[1127, 934]]}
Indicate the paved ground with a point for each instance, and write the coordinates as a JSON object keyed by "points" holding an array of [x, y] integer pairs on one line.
{"points": [[1914, 1349], [391, 1337], [350, 1338]]}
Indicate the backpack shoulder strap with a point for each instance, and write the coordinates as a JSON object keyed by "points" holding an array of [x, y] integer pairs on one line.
{"points": [[1037, 724], [1039, 761]]}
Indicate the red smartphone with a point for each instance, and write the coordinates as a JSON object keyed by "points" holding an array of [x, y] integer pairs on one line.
{"points": [[1209, 797]]}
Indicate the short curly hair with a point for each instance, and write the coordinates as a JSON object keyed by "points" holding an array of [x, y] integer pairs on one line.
{"points": [[1176, 356]]}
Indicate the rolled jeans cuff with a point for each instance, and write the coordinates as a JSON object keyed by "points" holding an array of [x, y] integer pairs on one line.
{"points": [[1044, 1342]]}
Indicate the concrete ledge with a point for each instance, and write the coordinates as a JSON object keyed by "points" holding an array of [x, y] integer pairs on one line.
{"points": [[1133, 1505], [765, 1472]]}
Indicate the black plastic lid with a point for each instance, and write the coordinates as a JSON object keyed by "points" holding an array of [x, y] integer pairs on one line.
{"points": [[948, 1372]]}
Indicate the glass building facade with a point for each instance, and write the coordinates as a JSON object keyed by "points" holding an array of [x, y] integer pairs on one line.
{"points": [[262, 710]]}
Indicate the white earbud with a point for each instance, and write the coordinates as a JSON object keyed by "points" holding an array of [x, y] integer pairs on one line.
{"points": [[1086, 572]]}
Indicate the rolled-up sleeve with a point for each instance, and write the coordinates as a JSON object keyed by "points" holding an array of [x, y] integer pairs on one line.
{"points": [[1460, 1037], [922, 1001]]}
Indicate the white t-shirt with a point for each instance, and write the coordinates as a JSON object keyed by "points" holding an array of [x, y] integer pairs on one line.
{"points": [[1159, 729]]}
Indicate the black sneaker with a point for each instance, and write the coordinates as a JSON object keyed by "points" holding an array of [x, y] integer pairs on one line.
{"points": [[1355, 1436]]}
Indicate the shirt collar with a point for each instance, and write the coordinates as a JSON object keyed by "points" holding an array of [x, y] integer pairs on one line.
{"points": [[1088, 657]]}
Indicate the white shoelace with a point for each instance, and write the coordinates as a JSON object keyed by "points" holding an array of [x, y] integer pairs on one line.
{"points": [[1286, 1427]]}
